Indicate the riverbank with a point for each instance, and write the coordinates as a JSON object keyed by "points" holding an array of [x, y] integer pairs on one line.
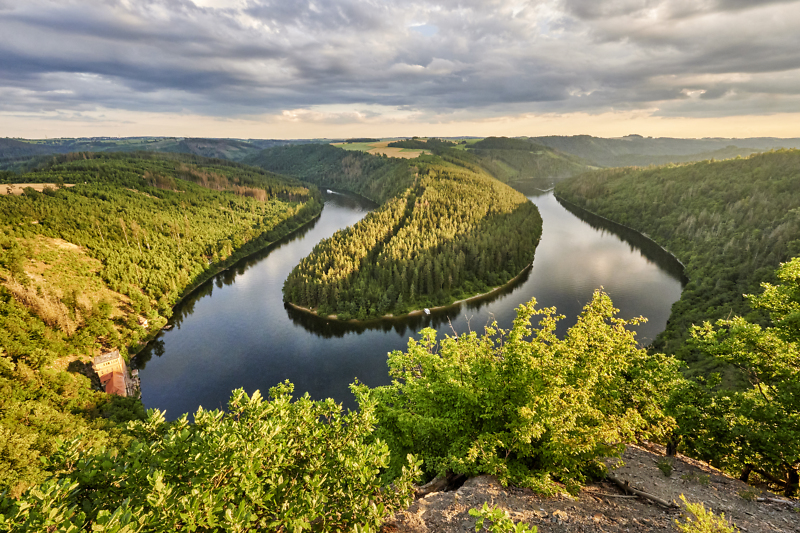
{"points": [[416, 312], [284, 229], [618, 225]]}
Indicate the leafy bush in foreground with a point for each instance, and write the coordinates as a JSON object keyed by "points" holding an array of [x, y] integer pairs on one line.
{"points": [[757, 428], [272, 465], [523, 404]]}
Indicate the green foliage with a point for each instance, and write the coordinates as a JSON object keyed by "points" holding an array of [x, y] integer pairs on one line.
{"points": [[514, 160], [731, 223], [500, 519], [273, 465], [523, 404], [454, 234], [700, 479], [36, 409], [148, 227], [702, 520], [750, 494], [420, 144], [376, 178], [758, 425]]}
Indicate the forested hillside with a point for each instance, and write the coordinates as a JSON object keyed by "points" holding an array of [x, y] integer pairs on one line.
{"points": [[376, 178], [453, 234], [730, 222], [23, 154], [507, 159], [514, 160], [636, 150], [81, 266]]}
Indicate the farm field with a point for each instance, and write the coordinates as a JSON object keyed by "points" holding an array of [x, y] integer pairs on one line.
{"points": [[382, 147], [17, 188]]}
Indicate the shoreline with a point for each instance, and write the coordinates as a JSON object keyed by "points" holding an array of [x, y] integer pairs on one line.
{"points": [[646, 236], [415, 312], [216, 269]]}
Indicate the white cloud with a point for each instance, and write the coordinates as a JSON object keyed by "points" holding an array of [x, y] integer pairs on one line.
{"points": [[485, 59]]}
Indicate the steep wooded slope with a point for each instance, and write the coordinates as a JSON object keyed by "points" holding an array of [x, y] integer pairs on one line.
{"points": [[79, 267], [635, 150], [730, 222]]}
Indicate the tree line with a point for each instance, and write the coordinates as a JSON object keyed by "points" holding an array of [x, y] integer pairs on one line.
{"points": [[735, 225], [452, 234], [80, 265]]}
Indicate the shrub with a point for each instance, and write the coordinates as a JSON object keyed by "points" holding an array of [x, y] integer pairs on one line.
{"points": [[703, 521], [522, 404], [264, 466], [500, 519]]}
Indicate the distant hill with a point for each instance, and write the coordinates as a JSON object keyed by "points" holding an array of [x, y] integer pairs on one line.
{"points": [[12, 148], [516, 160], [636, 150], [376, 178], [15, 154], [730, 222]]}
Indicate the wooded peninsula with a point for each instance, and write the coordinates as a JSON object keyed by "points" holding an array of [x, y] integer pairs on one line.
{"points": [[454, 232], [98, 265]]}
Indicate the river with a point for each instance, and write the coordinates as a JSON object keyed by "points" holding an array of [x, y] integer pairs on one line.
{"points": [[234, 331]]}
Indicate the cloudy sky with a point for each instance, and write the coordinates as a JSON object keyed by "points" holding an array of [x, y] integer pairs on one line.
{"points": [[332, 68]]}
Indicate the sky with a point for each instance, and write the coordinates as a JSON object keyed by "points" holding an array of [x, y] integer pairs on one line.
{"points": [[380, 68]]}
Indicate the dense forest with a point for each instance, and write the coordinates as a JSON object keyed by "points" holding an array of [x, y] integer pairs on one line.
{"points": [[118, 238], [730, 222], [636, 150], [454, 234], [446, 230], [376, 178], [416, 143]]}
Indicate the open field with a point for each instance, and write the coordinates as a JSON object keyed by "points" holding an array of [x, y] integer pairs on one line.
{"points": [[382, 148], [470, 142], [17, 188]]}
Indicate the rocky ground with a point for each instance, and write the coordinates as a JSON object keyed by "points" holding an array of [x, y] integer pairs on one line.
{"points": [[604, 507]]}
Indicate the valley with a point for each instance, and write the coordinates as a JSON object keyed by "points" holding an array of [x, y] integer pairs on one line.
{"points": [[107, 248]]}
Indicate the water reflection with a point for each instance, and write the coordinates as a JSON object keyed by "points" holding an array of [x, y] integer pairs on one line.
{"points": [[406, 325], [638, 242], [235, 331]]}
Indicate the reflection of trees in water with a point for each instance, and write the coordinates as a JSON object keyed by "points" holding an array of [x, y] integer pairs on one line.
{"points": [[638, 242], [187, 306], [155, 347], [410, 325]]}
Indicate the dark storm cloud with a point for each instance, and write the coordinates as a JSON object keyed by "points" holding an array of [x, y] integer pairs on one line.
{"points": [[718, 57]]}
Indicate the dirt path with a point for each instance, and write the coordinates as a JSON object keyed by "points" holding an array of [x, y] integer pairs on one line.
{"points": [[603, 507]]}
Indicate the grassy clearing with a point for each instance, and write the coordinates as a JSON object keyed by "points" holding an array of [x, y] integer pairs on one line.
{"points": [[356, 147], [470, 142], [17, 188], [382, 147], [64, 285]]}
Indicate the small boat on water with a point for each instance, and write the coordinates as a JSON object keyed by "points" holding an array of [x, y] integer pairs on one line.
{"points": [[427, 311], [330, 191], [167, 327]]}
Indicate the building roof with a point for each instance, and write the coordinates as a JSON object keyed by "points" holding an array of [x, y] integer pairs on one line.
{"points": [[106, 357], [116, 385]]}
